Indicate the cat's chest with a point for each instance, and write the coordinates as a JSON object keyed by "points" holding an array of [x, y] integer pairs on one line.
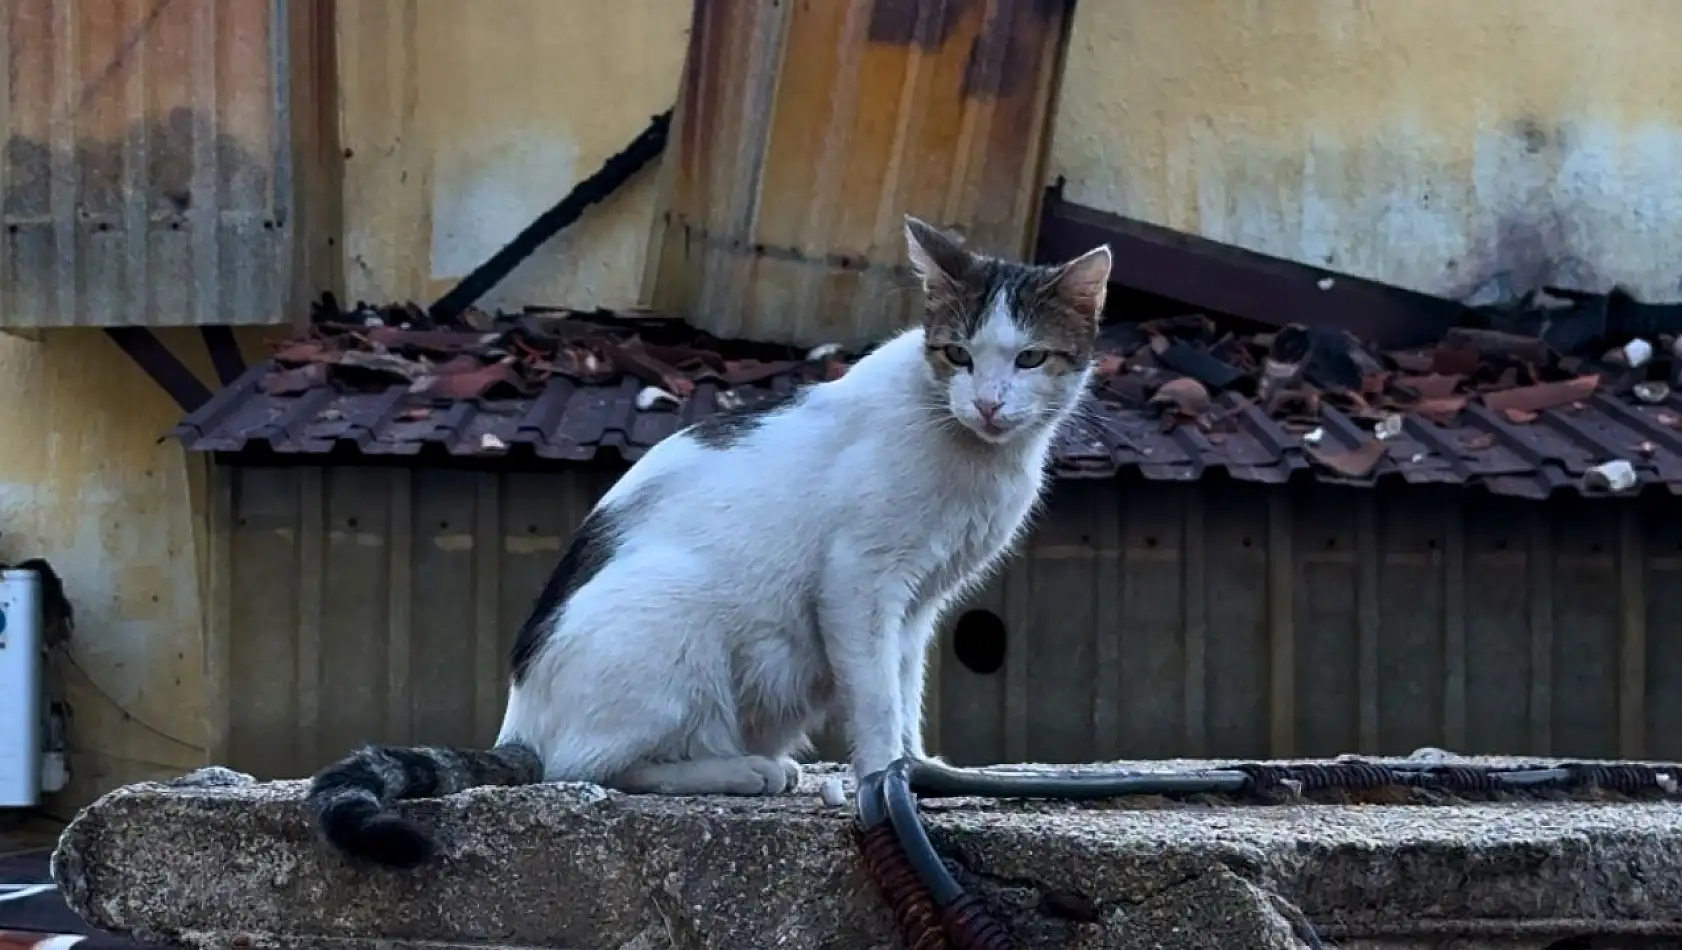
{"points": [[962, 536]]}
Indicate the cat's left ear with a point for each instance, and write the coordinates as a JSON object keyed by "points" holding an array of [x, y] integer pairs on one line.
{"points": [[1083, 282], [937, 257]]}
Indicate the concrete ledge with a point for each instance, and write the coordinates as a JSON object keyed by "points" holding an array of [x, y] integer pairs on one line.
{"points": [[218, 860]]}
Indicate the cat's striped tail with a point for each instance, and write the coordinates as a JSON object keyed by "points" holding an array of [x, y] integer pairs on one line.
{"points": [[352, 798]]}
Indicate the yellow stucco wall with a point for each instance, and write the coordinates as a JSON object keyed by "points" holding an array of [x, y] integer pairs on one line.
{"points": [[464, 121], [1439, 144], [86, 484]]}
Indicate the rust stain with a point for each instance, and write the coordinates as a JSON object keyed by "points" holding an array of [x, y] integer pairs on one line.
{"points": [[101, 169], [1005, 58], [699, 105], [808, 129]]}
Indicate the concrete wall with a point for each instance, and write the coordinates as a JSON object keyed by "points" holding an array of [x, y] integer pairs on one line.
{"points": [[1437, 144]]}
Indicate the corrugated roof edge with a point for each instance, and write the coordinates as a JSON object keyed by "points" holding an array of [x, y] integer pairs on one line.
{"points": [[572, 422]]}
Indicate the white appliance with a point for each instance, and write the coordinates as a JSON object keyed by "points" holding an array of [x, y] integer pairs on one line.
{"points": [[22, 704]]}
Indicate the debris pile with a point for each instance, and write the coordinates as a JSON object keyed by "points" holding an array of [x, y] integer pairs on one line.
{"points": [[1187, 372], [1523, 402], [512, 356]]}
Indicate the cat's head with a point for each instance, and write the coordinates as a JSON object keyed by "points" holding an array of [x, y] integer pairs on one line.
{"points": [[1009, 344]]}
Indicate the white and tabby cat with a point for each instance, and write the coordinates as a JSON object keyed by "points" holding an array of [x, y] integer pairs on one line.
{"points": [[766, 568]]}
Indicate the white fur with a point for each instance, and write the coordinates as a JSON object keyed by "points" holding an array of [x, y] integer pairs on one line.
{"points": [[799, 574]]}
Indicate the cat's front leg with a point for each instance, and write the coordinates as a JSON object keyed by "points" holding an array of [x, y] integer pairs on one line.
{"points": [[861, 631], [915, 642]]}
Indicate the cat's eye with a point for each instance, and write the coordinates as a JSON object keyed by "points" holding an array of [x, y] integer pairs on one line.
{"points": [[955, 354], [1028, 359]]}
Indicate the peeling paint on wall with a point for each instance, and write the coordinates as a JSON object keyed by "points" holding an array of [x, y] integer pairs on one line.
{"points": [[480, 202], [1452, 148]]}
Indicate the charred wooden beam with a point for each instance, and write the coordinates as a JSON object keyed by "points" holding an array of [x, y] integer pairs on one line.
{"points": [[164, 367], [609, 178], [224, 353]]}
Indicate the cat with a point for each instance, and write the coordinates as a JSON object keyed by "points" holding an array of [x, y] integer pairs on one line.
{"points": [[772, 565]]}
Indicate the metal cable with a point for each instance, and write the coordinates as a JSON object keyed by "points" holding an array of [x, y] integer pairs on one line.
{"points": [[934, 912]]}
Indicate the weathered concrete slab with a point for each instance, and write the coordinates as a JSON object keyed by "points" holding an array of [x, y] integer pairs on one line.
{"points": [[216, 861]]}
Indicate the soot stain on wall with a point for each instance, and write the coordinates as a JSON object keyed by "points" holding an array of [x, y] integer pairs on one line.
{"points": [[99, 169]]}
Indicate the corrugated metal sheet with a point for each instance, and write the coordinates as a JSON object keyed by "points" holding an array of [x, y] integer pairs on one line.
{"points": [[359, 603], [147, 170], [570, 421], [1238, 622], [378, 603], [805, 130]]}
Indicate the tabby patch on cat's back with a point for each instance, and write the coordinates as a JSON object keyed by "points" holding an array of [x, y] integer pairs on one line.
{"points": [[725, 429], [593, 546]]}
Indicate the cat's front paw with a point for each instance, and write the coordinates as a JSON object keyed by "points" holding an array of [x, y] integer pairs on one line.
{"points": [[791, 773]]}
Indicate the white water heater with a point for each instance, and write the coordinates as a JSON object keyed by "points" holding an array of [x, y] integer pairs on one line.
{"points": [[22, 704]]}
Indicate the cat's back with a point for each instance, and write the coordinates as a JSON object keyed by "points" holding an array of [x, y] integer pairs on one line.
{"points": [[791, 461]]}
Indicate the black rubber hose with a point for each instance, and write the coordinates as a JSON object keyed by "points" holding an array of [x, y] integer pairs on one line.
{"points": [[1518, 778], [873, 809], [932, 780], [908, 828]]}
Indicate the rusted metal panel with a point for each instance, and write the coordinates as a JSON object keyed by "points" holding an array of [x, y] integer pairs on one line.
{"points": [[379, 603], [805, 130], [147, 173]]}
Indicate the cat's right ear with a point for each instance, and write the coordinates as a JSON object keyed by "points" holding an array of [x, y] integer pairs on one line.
{"points": [[938, 258]]}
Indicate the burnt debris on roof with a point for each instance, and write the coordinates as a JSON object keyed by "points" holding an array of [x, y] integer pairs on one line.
{"points": [[1521, 401]]}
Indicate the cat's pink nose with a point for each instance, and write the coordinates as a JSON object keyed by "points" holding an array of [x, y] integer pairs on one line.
{"points": [[988, 409]]}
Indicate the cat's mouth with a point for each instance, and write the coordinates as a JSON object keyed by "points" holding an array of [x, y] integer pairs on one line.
{"points": [[992, 431]]}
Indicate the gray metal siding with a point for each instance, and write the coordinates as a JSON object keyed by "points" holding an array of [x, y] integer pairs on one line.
{"points": [[1156, 621], [1144, 620], [147, 171]]}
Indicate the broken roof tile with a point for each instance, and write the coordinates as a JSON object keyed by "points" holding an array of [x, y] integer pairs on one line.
{"points": [[1174, 400]]}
